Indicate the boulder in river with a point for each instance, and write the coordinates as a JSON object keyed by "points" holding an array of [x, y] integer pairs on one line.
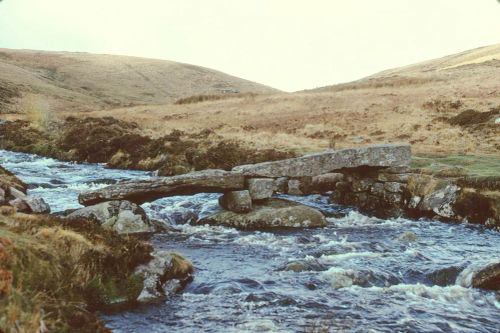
{"points": [[304, 265], [275, 213], [123, 216], [165, 274], [236, 201], [37, 205], [140, 191], [441, 201], [483, 277], [24, 203]]}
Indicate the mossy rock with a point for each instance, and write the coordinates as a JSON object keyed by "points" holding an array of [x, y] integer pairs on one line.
{"points": [[477, 207], [270, 214]]}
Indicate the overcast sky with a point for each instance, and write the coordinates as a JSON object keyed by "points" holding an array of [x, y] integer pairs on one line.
{"points": [[287, 44]]}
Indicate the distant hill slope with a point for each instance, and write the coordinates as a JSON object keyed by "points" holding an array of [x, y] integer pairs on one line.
{"points": [[470, 64], [423, 104], [426, 104], [81, 81]]}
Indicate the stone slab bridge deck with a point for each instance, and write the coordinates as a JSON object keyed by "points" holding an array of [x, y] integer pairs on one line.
{"points": [[260, 180]]}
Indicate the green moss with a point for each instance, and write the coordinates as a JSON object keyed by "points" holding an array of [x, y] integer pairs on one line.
{"points": [[473, 165]]}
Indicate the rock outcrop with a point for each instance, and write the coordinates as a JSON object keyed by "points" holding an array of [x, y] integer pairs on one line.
{"points": [[140, 191], [274, 213], [317, 164], [486, 276], [122, 216], [166, 274], [13, 193], [23, 203]]}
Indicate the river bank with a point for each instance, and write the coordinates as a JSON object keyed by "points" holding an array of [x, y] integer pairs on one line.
{"points": [[56, 273], [124, 145]]}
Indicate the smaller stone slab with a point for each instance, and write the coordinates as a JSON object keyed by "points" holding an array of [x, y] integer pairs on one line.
{"points": [[261, 188], [236, 201]]}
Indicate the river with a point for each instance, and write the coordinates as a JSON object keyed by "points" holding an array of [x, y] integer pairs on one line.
{"points": [[359, 274]]}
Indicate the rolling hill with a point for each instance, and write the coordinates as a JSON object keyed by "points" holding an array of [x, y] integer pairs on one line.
{"points": [[449, 105], [82, 82]]}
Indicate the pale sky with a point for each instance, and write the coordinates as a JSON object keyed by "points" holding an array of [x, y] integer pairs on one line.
{"points": [[287, 44]]}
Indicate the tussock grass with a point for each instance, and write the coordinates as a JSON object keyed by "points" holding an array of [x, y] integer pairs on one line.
{"points": [[55, 273]]}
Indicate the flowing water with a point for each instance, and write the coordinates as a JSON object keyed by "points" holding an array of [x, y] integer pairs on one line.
{"points": [[359, 274]]}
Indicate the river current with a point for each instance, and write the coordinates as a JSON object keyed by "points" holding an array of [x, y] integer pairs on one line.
{"points": [[358, 274]]}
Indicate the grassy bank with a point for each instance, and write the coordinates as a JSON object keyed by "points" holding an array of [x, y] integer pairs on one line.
{"points": [[466, 165], [54, 274]]}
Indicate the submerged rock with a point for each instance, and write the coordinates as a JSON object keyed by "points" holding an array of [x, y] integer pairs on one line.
{"points": [[275, 213], [123, 216], [408, 236], [304, 266], [166, 274]]}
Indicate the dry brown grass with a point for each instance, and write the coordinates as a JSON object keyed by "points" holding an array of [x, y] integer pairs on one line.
{"points": [[401, 105], [313, 121], [54, 273]]}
